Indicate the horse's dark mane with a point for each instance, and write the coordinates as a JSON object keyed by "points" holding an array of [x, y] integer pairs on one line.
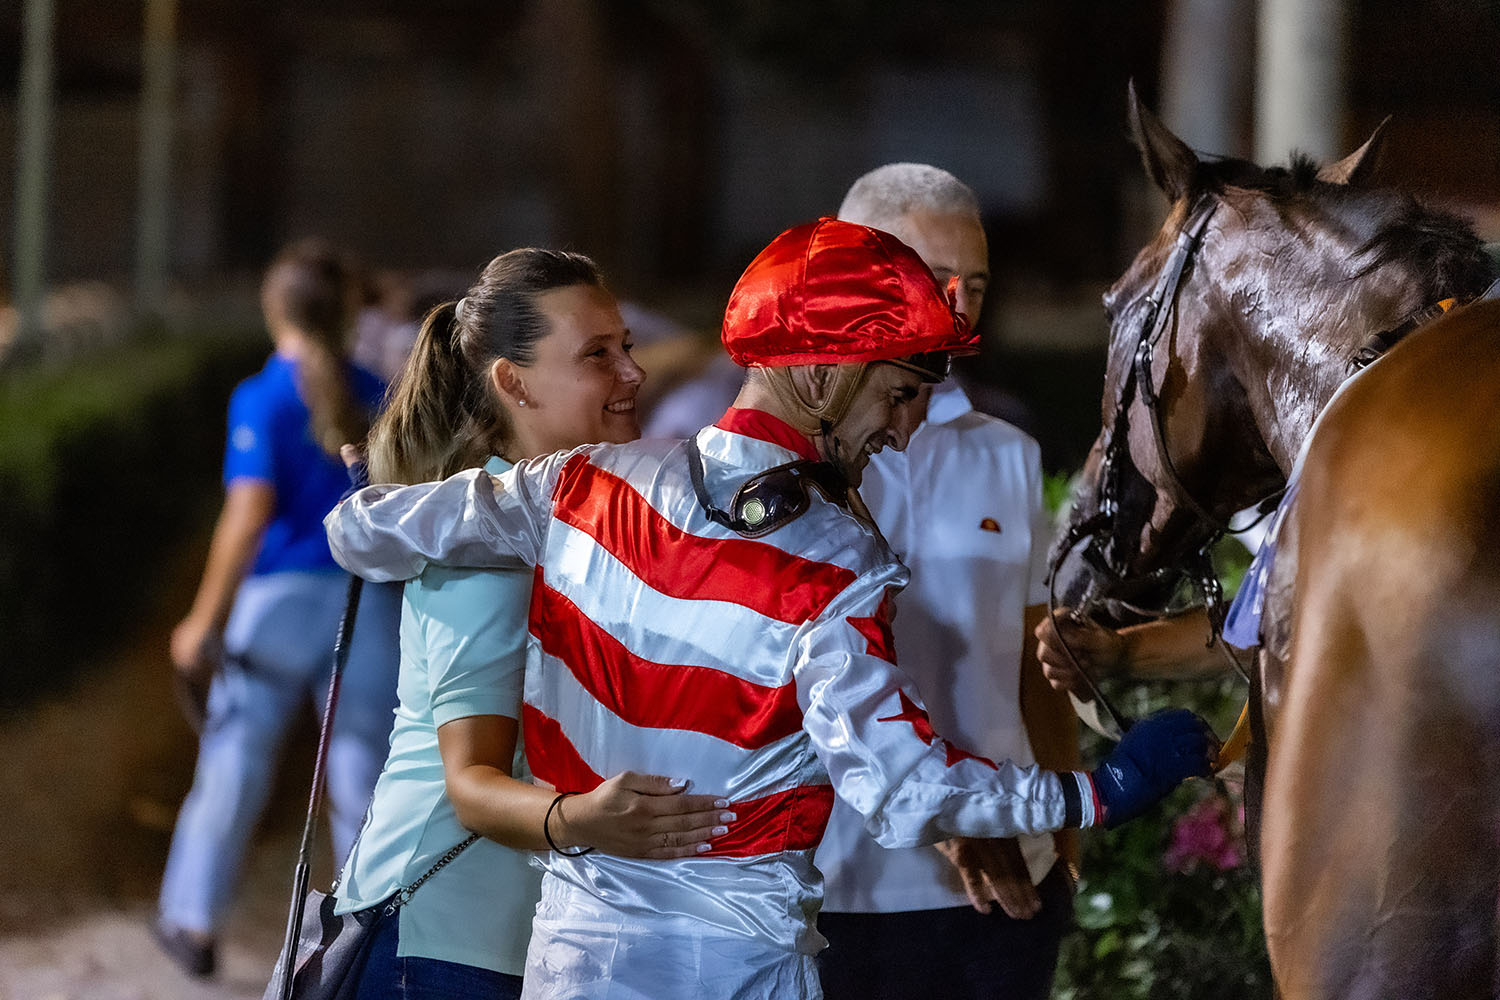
{"points": [[1442, 247], [1299, 178]]}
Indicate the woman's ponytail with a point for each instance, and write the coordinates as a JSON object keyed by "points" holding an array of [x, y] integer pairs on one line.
{"points": [[308, 286], [336, 415], [439, 418], [441, 414]]}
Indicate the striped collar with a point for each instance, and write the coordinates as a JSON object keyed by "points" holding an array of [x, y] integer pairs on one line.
{"points": [[763, 426]]}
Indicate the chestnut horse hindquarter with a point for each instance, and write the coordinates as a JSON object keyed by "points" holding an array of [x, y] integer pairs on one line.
{"points": [[1380, 841]]}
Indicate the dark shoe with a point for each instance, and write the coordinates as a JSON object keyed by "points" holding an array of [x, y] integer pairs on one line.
{"points": [[190, 952]]}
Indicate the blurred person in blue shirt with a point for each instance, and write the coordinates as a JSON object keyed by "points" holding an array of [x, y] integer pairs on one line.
{"points": [[260, 631]]}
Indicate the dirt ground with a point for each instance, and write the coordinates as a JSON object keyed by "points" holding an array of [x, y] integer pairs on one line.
{"points": [[92, 782]]}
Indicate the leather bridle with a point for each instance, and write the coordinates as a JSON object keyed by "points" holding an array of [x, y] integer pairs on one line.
{"points": [[1161, 309]]}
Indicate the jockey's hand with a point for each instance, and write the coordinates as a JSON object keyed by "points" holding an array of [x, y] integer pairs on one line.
{"points": [[1154, 757], [993, 871], [1100, 651]]}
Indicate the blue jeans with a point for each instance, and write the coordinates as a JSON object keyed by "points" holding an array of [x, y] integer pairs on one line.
{"points": [[389, 977], [280, 654]]}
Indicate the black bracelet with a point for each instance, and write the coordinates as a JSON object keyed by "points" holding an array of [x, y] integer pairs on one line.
{"points": [[548, 833]]}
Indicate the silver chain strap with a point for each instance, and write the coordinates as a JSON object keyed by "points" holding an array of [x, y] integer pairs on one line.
{"points": [[404, 895]]}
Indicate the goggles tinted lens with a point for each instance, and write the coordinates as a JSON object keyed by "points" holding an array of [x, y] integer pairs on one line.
{"points": [[934, 366]]}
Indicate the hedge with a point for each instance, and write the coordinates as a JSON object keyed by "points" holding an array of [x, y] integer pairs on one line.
{"points": [[104, 462]]}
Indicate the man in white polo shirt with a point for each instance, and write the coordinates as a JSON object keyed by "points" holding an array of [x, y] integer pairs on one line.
{"points": [[961, 507]]}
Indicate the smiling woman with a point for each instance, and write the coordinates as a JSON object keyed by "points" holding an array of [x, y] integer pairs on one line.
{"points": [[534, 359], [582, 384]]}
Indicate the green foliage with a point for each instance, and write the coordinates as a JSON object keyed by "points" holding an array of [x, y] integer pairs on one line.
{"points": [[102, 460], [1057, 492], [1147, 930]]}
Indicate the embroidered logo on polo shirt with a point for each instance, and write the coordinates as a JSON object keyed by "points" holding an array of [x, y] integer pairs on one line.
{"points": [[990, 524], [243, 438]]}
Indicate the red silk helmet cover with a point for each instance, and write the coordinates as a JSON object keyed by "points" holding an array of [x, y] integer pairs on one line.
{"points": [[833, 292]]}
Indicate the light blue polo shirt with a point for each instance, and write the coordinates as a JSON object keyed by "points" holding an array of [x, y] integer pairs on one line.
{"points": [[463, 653]]}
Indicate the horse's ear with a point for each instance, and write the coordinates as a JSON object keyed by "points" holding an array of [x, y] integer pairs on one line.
{"points": [[1171, 165], [1358, 165]]}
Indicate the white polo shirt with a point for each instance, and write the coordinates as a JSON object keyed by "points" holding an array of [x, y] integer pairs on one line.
{"points": [[962, 507]]}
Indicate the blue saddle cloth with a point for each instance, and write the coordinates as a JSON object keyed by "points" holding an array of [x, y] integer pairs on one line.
{"points": [[1242, 624]]}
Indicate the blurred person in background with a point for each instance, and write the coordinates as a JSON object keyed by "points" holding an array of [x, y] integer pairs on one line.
{"points": [[388, 321], [535, 358], [260, 633], [723, 605], [962, 508]]}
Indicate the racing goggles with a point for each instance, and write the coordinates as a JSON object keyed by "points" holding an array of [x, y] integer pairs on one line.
{"points": [[770, 499], [933, 366]]}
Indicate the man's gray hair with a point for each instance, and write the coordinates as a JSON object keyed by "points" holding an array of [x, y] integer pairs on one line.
{"points": [[881, 197]]}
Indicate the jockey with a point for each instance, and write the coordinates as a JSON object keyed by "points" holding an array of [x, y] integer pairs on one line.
{"points": [[720, 608]]}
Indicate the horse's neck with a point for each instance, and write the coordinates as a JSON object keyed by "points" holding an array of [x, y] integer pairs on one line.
{"points": [[1299, 387]]}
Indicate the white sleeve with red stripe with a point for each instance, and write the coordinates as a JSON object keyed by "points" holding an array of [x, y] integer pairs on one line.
{"points": [[471, 519], [868, 725]]}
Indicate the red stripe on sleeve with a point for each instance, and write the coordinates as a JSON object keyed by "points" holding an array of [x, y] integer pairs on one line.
{"points": [[660, 695], [552, 756], [785, 821], [752, 574]]}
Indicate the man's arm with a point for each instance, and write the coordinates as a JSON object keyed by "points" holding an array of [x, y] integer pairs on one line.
{"points": [[870, 729], [249, 505], [912, 787], [994, 870], [1173, 648]]}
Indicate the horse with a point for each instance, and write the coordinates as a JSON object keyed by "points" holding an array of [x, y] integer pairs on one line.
{"points": [[1375, 696]]}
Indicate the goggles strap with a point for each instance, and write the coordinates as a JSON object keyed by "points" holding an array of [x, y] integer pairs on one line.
{"points": [[775, 497], [695, 473]]}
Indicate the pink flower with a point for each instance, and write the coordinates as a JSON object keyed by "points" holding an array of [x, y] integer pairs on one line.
{"points": [[1205, 834]]}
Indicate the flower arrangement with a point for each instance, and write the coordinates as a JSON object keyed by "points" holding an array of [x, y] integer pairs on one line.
{"points": [[1210, 833]]}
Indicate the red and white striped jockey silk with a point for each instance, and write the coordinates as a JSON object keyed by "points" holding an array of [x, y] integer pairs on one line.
{"points": [[663, 643]]}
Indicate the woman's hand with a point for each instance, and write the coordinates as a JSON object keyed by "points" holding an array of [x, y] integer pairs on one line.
{"points": [[197, 647], [1100, 651], [641, 816]]}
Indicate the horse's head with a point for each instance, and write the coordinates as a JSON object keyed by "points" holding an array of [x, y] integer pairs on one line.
{"points": [[1228, 334]]}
